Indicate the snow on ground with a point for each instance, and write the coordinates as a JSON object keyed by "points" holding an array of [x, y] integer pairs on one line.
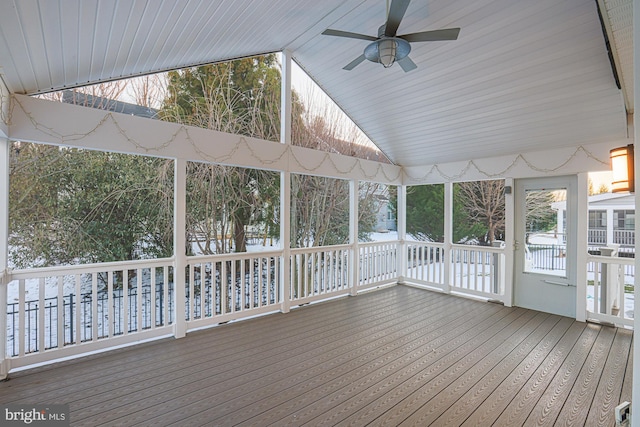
{"points": [[375, 237]]}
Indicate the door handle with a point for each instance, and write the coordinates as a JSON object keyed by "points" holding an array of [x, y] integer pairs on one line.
{"points": [[553, 282]]}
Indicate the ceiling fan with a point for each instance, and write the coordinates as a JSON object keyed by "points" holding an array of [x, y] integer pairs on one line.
{"points": [[388, 47]]}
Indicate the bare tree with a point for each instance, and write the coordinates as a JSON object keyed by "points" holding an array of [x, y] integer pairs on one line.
{"points": [[148, 91], [483, 202]]}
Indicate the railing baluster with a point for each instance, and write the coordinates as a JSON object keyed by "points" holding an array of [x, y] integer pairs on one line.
{"points": [[596, 287], [152, 298], [139, 297], [60, 310], [203, 289], [164, 299], [77, 309], [41, 346], [94, 306], [190, 314], [111, 319], [621, 291], [234, 287]]}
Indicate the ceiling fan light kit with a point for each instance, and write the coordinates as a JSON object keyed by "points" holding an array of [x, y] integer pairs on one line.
{"points": [[387, 51], [389, 48]]}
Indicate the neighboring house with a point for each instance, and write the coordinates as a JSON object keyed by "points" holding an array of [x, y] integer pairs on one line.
{"points": [[611, 219], [386, 215], [86, 100]]}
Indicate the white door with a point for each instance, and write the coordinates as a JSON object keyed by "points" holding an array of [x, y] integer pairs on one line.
{"points": [[545, 271]]}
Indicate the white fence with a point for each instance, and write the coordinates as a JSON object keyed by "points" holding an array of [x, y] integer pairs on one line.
{"points": [[70, 310], [472, 270], [56, 312], [478, 270], [610, 285], [425, 264], [319, 273], [220, 288], [378, 264], [64, 311]]}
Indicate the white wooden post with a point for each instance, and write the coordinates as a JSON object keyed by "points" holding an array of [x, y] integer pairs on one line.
{"points": [[582, 244], [509, 242], [4, 252], [401, 222], [4, 226], [354, 258], [609, 240], [635, 405], [285, 185], [179, 246], [448, 235]]}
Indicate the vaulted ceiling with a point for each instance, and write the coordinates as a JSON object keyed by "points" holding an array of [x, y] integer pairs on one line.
{"points": [[522, 76]]}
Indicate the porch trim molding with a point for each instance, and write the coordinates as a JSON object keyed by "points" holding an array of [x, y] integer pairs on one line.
{"points": [[561, 161], [43, 121]]}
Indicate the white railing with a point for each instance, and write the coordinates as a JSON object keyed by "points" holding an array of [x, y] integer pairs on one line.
{"points": [[319, 273], [71, 310], [478, 270], [624, 237], [75, 309], [220, 288], [425, 264], [610, 289], [378, 264], [597, 236]]}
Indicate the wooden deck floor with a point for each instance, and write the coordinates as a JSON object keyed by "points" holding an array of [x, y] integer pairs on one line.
{"points": [[399, 356]]}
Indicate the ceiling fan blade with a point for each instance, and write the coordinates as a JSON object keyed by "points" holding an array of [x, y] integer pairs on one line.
{"points": [[396, 13], [407, 64], [351, 65], [432, 36], [338, 33]]}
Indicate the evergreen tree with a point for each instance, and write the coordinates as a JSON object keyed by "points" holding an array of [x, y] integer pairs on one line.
{"points": [[241, 97], [69, 206]]}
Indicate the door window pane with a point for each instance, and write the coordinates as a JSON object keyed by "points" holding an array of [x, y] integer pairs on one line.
{"points": [[545, 250]]}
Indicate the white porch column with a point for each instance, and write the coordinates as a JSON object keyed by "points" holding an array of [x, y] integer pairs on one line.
{"points": [[509, 242], [401, 222], [354, 261], [179, 245], [448, 234], [4, 225], [609, 227], [285, 184], [582, 225], [635, 404]]}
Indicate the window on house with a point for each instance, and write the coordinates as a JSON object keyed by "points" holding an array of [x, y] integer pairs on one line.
{"points": [[598, 219], [624, 220]]}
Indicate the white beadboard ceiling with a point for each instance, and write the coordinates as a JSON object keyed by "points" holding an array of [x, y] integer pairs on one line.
{"points": [[523, 75]]}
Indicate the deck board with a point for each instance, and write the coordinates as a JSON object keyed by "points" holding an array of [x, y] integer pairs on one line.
{"points": [[609, 389], [397, 356]]}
